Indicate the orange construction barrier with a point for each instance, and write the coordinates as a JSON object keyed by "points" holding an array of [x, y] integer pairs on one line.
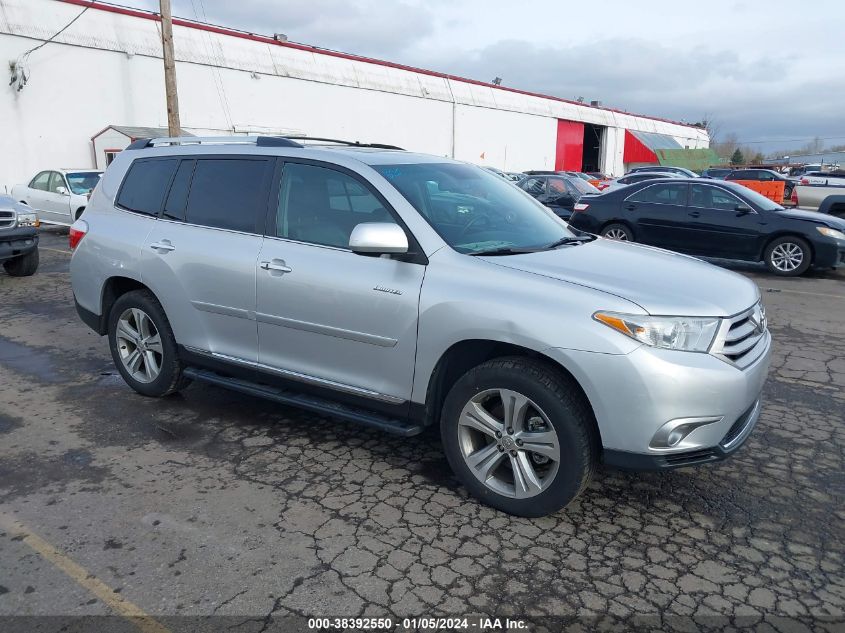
{"points": [[773, 190]]}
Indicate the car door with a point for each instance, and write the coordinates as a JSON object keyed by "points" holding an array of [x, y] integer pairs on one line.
{"points": [[200, 255], [725, 225], [660, 215], [327, 316], [56, 200], [559, 196], [36, 193]]}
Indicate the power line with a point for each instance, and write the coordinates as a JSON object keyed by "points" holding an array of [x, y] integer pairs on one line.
{"points": [[57, 33], [794, 140]]}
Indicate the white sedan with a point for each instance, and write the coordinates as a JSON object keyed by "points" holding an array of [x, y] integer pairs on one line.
{"points": [[59, 196]]}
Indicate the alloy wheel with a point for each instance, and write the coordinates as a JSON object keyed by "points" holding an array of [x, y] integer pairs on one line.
{"points": [[139, 345], [787, 256], [508, 443], [616, 234]]}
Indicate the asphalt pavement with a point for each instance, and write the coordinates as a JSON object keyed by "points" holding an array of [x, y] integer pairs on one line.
{"points": [[214, 503]]}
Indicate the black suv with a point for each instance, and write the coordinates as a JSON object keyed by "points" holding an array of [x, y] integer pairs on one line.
{"points": [[763, 175]]}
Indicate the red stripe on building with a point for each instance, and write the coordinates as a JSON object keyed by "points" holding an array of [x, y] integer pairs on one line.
{"points": [[636, 151], [569, 151]]}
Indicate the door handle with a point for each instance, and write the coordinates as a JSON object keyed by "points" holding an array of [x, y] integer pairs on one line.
{"points": [[163, 245], [277, 265], [695, 214], [630, 207]]}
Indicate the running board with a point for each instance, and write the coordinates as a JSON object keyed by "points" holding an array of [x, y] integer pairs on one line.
{"points": [[310, 403]]}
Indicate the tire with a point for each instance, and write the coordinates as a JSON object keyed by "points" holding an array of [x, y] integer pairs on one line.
{"points": [[556, 410], [157, 375], [23, 265], [788, 256], [618, 232]]}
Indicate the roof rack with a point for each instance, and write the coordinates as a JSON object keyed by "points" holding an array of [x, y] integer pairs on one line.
{"points": [[258, 141], [320, 139]]}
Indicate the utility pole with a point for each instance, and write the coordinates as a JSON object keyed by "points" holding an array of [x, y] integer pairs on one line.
{"points": [[173, 125]]}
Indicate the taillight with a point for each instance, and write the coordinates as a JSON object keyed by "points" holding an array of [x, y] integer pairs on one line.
{"points": [[794, 197], [580, 207], [804, 181], [77, 231]]}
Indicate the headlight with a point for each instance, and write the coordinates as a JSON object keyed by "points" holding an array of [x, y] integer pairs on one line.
{"points": [[27, 219], [689, 334], [828, 232]]}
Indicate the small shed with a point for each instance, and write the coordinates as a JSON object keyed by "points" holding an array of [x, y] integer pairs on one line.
{"points": [[113, 139]]}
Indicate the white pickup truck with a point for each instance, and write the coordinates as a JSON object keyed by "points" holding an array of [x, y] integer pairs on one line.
{"points": [[59, 196], [824, 192]]}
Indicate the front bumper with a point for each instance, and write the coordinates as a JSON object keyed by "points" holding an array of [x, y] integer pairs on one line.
{"points": [[634, 395], [17, 242], [829, 254]]}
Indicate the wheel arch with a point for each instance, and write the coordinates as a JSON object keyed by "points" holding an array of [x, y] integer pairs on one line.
{"points": [[464, 355], [626, 223], [114, 288]]}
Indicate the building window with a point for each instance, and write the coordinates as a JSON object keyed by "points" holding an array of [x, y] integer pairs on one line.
{"points": [[110, 155]]}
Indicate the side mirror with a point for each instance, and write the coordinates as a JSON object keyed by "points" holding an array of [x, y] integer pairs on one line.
{"points": [[741, 209], [378, 238], [61, 191]]}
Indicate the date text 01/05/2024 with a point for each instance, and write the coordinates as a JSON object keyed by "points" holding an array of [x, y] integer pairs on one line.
{"points": [[478, 623]]}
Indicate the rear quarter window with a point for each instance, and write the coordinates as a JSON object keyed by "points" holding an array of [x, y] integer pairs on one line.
{"points": [[145, 184]]}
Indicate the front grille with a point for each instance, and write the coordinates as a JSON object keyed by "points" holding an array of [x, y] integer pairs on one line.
{"points": [[741, 339], [7, 218]]}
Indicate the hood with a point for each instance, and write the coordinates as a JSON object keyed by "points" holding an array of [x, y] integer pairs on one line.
{"points": [[660, 282], [813, 216]]}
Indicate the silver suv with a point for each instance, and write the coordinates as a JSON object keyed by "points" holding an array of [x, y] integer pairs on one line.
{"points": [[402, 291]]}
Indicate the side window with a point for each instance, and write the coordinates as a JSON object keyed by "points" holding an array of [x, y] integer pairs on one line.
{"points": [[557, 186], [534, 186], [228, 193], [174, 206], [41, 181], [144, 186], [662, 194], [322, 206], [707, 197], [765, 176], [56, 181]]}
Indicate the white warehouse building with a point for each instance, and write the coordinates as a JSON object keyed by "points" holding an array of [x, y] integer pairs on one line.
{"points": [[79, 98]]}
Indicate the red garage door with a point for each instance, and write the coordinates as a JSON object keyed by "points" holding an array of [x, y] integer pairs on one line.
{"points": [[570, 145]]}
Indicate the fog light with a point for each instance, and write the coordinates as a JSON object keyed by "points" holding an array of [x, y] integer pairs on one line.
{"points": [[671, 434]]}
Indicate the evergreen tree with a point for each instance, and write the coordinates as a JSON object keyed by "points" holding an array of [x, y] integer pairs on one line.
{"points": [[737, 158]]}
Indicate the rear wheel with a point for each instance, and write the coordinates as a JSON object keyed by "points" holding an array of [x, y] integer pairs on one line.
{"points": [[617, 232], [23, 265], [788, 256], [143, 346], [519, 436]]}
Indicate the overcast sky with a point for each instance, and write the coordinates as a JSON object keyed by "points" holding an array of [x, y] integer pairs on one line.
{"points": [[770, 71]]}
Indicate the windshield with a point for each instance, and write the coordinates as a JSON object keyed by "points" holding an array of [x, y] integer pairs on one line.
{"points": [[82, 182], [473, 210], [749, 194]]}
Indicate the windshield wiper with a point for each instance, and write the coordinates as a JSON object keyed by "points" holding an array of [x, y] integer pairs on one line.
{"points": [[505, 250], [571, 240]]}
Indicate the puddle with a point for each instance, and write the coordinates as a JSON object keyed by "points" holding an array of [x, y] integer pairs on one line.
{"points": [[26, 360]]}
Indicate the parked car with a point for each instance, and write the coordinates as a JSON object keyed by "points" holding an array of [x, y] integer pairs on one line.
{"points": [[718, 173], [597, 175], [680, 171], [557, 191], [514, 176], [824, 193], [763, 175], [630, 179], [59, 196], [18, 238], [405, 290], [716, 219]]}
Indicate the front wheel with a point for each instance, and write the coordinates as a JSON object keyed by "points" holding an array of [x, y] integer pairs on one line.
{"points": [[618, 232], [519, 436], [142, 345], [23, 265], [788, 256]]}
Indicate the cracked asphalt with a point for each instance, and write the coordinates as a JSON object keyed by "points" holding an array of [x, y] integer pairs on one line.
{"points": [[212, 502]]}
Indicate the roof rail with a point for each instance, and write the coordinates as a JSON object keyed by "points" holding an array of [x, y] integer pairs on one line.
{"points": [[342, 142], [258, 141]]}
